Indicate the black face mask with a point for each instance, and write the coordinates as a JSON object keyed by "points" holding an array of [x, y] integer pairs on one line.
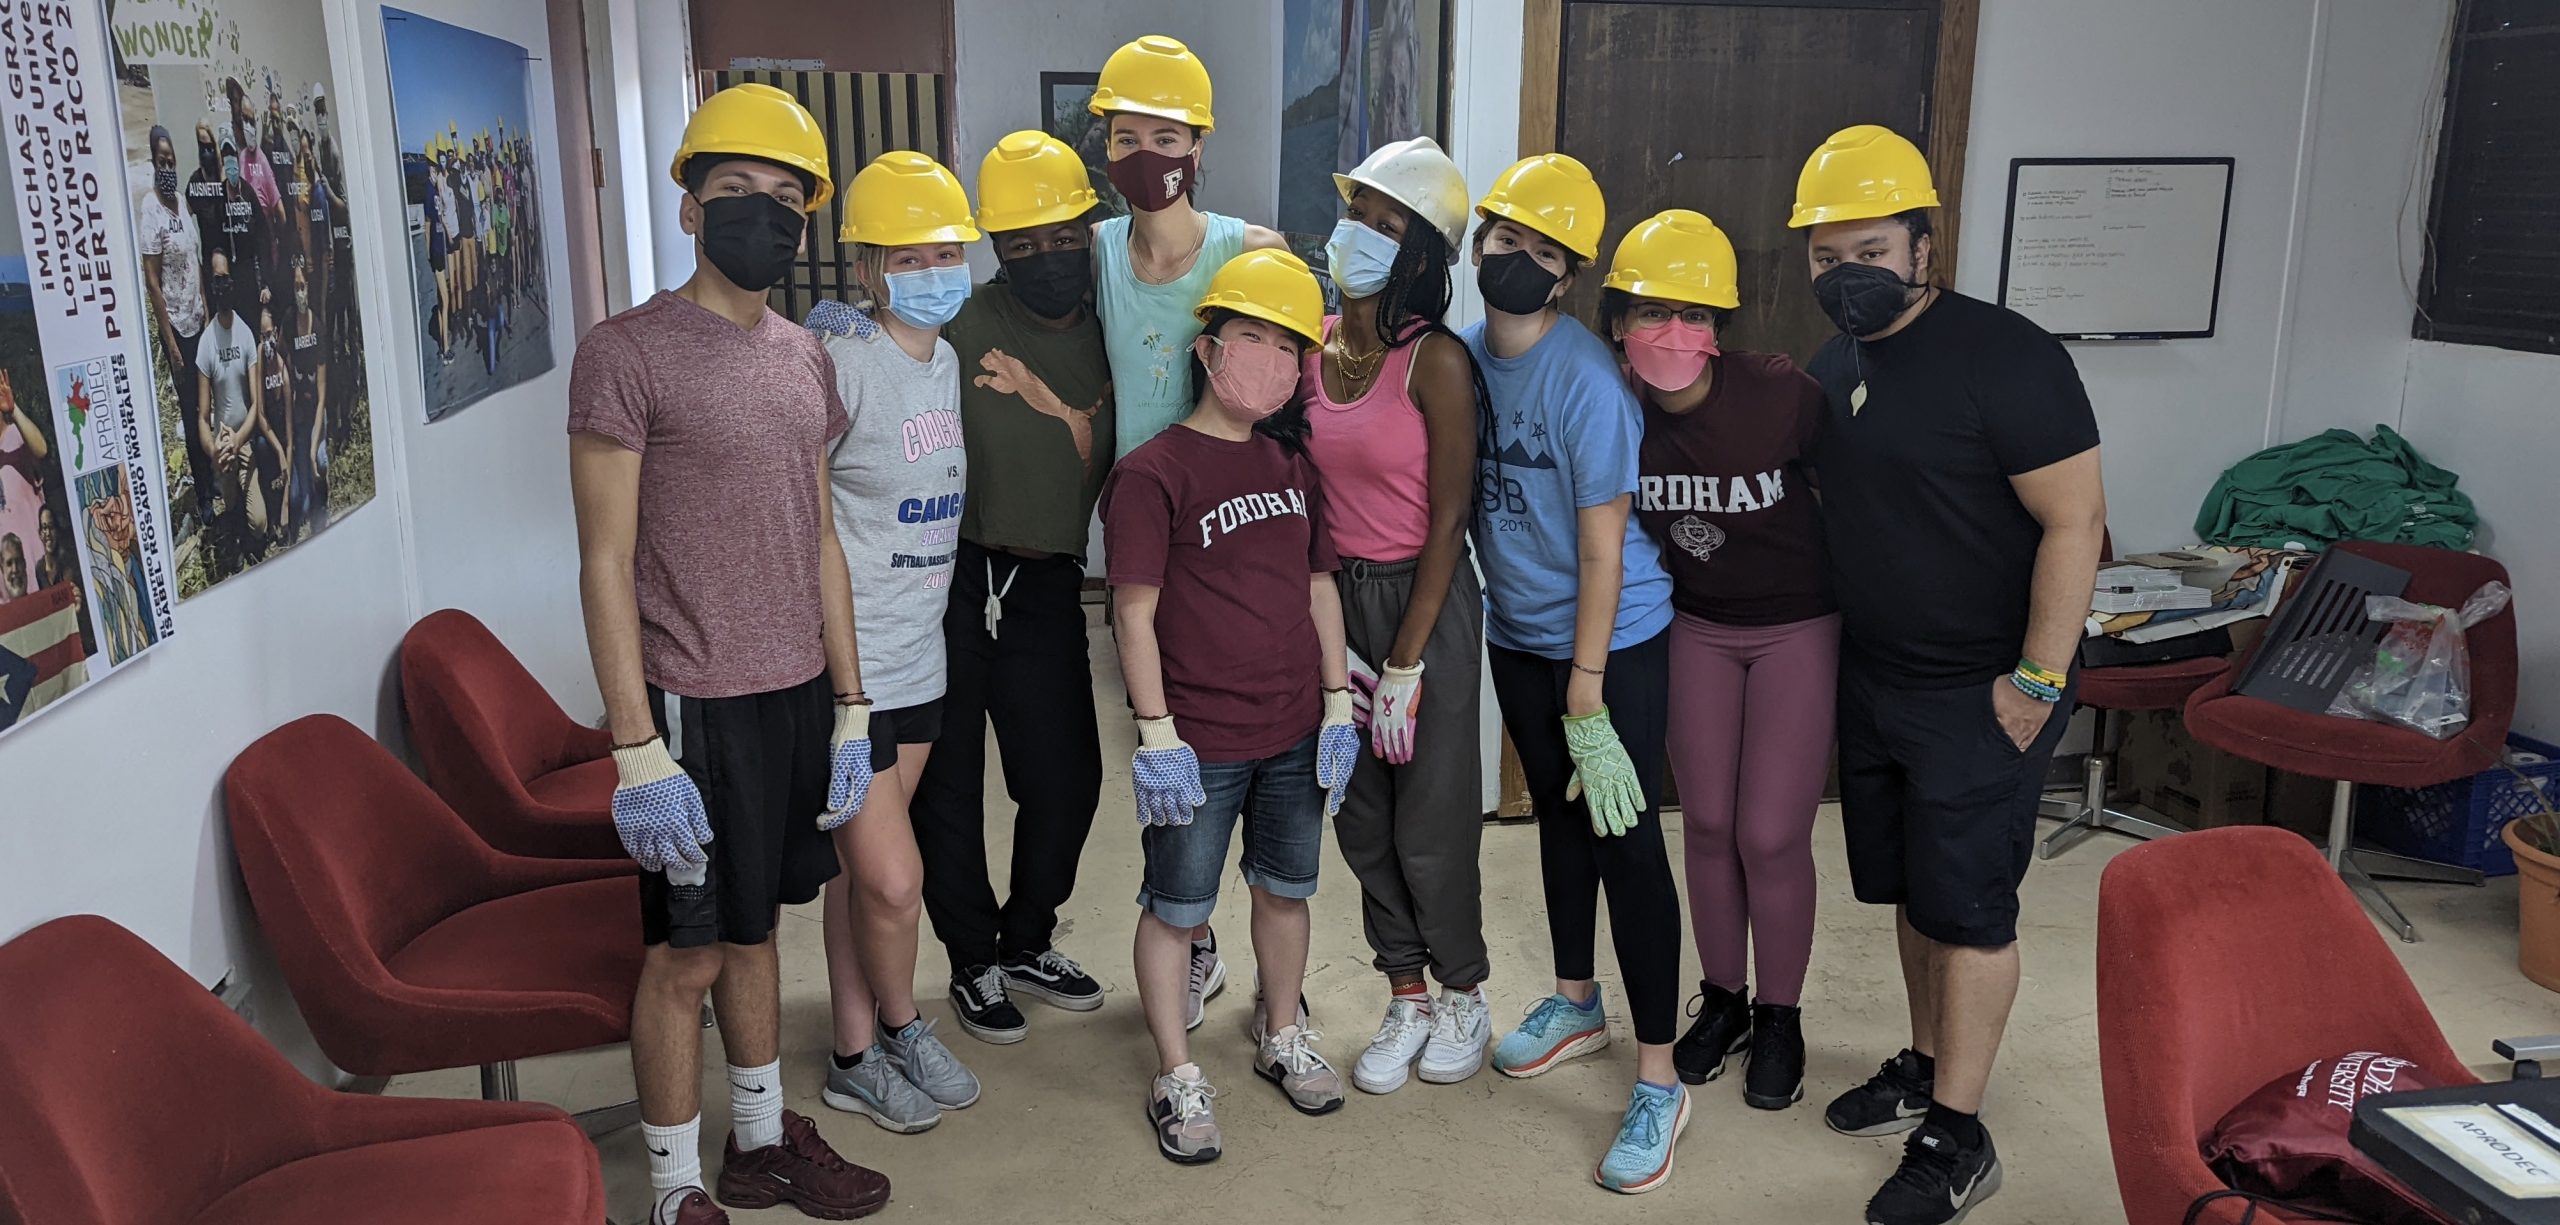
{"points": [[209, 161], [751, 239], [1051, 284], [218, 291], [1514, 284], [1863, 299]]}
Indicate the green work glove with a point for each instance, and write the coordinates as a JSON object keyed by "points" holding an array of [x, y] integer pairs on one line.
{"points": [[1602, 773]]}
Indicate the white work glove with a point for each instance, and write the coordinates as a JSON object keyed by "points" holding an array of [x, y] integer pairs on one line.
{"points": [[656, 808], [848, 764], [1394, 715], [1166, 775]]}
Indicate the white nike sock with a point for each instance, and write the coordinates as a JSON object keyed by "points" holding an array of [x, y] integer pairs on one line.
{"points": [[755, 1104], [675, 1162]]}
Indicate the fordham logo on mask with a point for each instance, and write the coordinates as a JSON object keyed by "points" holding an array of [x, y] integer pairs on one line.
{"points": [[1172, 183], [1243, 509]]}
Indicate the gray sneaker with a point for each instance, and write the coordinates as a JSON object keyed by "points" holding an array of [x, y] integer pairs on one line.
{"points": [[1178, 1106], [873, 1086], [1208, 977], [929, 1065], [1289, 1060]]}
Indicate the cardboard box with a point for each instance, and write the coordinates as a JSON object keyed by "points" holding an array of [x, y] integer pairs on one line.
{"points": [[2300, 804], [2192, 784]]}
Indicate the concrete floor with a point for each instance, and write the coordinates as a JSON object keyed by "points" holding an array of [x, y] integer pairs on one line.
{"points": [[1060, 1133]]}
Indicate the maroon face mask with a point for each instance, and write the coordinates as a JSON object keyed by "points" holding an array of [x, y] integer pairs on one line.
{"points": [[1152, 181]]}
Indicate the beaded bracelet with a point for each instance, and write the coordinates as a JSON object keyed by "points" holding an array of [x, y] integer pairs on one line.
{"points": [[2036, 689], [2038, 672]]}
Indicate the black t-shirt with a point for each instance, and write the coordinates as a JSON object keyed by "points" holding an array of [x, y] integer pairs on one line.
{"points": [[1723, 486], [1932, 554]]}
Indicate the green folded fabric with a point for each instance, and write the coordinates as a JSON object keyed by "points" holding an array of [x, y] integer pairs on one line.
{"points": [[2336, 486]]}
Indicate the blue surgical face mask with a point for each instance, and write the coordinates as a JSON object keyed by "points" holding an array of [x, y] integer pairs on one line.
{"points": [[928, 297], [1360, 258]]}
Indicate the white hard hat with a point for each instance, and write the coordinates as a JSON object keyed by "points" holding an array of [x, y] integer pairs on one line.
{"points": [[1418, 175]]}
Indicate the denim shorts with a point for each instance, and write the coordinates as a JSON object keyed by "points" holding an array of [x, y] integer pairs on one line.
{"points": [[1283, 814]]}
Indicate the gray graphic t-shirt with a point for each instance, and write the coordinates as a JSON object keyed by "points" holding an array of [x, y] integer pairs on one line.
{"points": [[897, 478]]}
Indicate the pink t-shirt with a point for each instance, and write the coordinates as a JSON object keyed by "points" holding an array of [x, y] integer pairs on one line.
{"points": [[1375, 455], [733, 427]]}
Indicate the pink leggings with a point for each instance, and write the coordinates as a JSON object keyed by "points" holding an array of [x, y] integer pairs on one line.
{"points": [[1750, 734]]}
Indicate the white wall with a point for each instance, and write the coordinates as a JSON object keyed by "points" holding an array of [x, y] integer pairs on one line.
{"points": [[124, 779]]}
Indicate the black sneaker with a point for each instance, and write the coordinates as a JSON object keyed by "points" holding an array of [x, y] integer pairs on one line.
{"points": [[1939, 1182], [1892, 1100], [1773, 1074], [978, 996], [1053, 978], [1722, 1028]]}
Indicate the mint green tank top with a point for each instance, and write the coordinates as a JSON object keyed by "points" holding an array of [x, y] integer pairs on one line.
{"points": [[1147, 330]]}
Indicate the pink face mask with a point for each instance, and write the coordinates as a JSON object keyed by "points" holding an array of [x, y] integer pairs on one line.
{"points": [[1252, 380], [1671, 356]]}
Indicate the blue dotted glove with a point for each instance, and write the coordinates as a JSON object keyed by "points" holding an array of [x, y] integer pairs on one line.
{"points": [[1337, 749], [848, 765], [1166, 775], [657, 810]]}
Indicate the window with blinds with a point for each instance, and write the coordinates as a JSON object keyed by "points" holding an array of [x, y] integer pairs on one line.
{"points": [[2493, 227]]}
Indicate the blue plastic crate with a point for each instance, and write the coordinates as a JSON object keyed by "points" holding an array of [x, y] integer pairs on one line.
{"points": [[2459, 822]]}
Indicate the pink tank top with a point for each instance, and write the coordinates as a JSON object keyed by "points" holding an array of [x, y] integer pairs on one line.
{"points": [[1374, 456]]}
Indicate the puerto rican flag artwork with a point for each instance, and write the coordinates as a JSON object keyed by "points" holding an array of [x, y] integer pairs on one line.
{"points": [[40, 654]]}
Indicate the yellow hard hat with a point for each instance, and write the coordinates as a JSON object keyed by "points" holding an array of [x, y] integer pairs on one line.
{"points": [[903, 198], [1156, 76], [1679, 255], [758, 121], [1554, 195], [1032, 178], [1270, 285], [1861, 173]]}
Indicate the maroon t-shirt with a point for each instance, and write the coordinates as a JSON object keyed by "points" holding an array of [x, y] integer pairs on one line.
{"points": [[1724, 487], [1230, 532], [733, 426]]}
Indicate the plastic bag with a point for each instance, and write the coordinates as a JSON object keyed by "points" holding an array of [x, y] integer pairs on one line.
{"points": [[2420, 675]]}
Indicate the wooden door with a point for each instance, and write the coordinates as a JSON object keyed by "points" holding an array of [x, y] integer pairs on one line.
{"points": [[1713, 105]]}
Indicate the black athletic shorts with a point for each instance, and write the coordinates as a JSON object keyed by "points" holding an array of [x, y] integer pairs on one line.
{"points": [[760, 761], [1938, 804], [917, 724]]}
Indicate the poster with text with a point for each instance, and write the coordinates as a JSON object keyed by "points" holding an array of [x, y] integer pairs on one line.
{"points": [[250, 311], [459, 103], [84, 579]]}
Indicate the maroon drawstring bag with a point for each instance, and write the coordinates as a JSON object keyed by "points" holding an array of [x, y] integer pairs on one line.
{"points": [[2287, 1142]]}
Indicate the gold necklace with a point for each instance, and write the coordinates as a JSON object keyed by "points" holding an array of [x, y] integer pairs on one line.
{"points": [[1353, 369]]}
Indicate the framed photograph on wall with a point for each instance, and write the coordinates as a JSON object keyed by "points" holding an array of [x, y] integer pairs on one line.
{"points": [[1064, 97]]}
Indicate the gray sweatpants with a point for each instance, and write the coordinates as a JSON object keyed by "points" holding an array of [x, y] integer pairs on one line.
{"points": [[1411, 833]]}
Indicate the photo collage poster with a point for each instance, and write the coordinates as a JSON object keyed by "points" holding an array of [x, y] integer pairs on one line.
{"points": [[84, 569], [252, 319]]}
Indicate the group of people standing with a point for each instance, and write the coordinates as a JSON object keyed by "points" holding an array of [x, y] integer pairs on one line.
{"points": [[480, 236], [1689, 558], [249, 267]]}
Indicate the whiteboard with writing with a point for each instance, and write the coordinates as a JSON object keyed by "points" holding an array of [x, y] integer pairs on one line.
{"points": [[2106, 249]]}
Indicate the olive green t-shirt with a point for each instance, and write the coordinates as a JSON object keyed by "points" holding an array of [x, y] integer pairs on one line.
{"points": [[1036, 417]]}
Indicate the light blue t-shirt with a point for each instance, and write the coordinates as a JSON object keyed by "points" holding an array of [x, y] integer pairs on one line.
{"points": [[1565, 436], [1147, 330]]}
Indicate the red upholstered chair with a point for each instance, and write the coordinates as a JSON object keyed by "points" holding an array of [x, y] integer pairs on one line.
{"points": [[130, 1096], [2227, 958], [496, 746], [2354, 751], [409, 943]]}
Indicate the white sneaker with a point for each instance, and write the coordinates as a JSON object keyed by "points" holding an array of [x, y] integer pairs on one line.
{"points": [[1460, 1029], [1385, 1066]]}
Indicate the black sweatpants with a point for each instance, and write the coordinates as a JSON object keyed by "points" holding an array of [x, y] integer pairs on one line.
{"points": [[1644, 905], [1033, 678]]}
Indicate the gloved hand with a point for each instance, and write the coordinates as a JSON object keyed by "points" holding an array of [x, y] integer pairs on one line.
{"points": [[1395, 717], [1166, 775], [1602, 773], [1337, 748], [848, 764], [1364, 688], [656, 808]]}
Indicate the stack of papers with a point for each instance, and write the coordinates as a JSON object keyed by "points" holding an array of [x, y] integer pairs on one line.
{"points": [[2125, 598]]}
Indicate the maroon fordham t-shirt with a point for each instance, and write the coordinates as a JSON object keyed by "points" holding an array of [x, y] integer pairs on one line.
{"points": [[1231, 533], [1723, 487], [733, 426]]}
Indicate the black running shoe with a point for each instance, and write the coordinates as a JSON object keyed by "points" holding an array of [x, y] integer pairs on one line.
{"points": [[1723, 1027], [1939, 1182], [1773, 1074], [1054, 978], [1892, 1100], [978, 996]]}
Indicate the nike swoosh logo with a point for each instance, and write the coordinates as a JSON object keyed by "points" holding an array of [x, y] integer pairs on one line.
{"points": [[1956, 1196], [749, 1088], [658, 1152]]}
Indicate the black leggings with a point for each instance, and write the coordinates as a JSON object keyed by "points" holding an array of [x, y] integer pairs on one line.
{"points": [[1644, 904]]}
